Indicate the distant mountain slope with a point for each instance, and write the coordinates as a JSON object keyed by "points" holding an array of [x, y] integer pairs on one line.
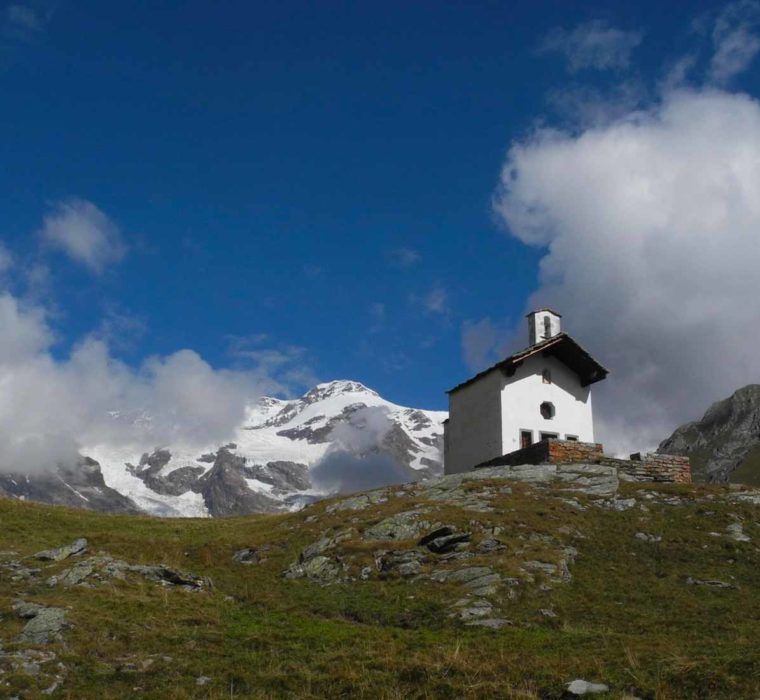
{"points": [[724, 445], [266, 468], [80, 486]]}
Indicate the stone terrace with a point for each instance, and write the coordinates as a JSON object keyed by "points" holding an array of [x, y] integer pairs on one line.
{"points": [[647, 467]]}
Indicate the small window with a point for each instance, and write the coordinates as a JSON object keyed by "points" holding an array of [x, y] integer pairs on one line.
{"points": [[547, 410], [547, 327], [571, 438], [549, 436], [547, 376], [526, 438]]}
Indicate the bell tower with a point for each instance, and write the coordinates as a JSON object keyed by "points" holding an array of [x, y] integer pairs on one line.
{"points": [[542, 325]]}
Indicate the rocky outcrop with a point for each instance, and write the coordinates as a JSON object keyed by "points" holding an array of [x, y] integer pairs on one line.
{"points": [[724, 445], [61, 553], [284, 476], [172, 483], [104, 569], [45, 625], [79, 485], [225, 491]]}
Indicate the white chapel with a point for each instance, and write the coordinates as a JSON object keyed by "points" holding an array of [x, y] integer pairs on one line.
{"points": [[540, 393]]}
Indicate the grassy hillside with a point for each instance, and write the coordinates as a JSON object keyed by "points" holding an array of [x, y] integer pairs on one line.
{"points": [[637, 614]]}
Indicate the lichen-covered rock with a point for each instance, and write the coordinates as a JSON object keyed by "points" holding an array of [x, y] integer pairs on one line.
{"points": [[489, 546], [493, 623], [405, 563], [249, 555], [402, 526], [480, 580], [45, 624], [61, 553], [736, 532], [360, 502], [320, 569], [104, 568], [326, 542]]}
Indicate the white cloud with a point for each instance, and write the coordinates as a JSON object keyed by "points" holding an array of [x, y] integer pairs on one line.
{"points": [[735, 40], [25, 18], [354, 461], [27, 21], [593, 44], [84, 233], [483, 343], [377, 313], [278, 367], [51, 405], [6, 259], [436, 301], [404, 257], [651, 225]]}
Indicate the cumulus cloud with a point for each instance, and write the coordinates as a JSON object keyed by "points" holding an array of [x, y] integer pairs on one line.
{"points": [[27, 21], [377, 313], [6, 259], [53, 406], [651, 226], [404, 257], [593, 44], [482, 342], [435, 301], [25, 18], [84, 233], [735, 39], [354, 461], [266, 359]]}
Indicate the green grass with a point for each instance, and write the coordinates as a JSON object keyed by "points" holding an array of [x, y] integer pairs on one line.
{"points": [[627, 618], [748, 472]]}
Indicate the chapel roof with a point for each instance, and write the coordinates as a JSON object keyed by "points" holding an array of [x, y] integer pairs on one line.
{"points": [[561, 346], [546, 308]]}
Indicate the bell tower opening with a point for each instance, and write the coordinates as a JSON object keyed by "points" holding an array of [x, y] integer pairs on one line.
{"points": [[542, 325]]}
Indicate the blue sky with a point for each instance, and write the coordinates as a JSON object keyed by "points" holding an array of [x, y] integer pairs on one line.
{"points": [[303, 186]]}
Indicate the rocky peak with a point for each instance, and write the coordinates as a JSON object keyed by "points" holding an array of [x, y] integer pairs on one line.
{"points": [[724, 445], [335, 388]]}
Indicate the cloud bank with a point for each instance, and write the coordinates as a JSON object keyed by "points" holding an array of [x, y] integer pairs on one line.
{"points": [[735, 40], [651, 225], [84, 233], [353, 462], [52, 407], [594, 44]]}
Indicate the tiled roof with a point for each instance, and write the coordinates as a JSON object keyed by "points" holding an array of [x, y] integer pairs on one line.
{"points": [[561, 346]]}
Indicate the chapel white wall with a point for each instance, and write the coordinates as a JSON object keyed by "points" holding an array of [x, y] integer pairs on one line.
{"points": [[523, 393], [474, 430]]}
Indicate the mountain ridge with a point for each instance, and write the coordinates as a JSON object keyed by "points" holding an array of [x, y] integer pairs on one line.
{"points": [[724, 444], [266, 467]]}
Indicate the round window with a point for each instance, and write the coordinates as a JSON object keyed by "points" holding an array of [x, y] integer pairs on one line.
{"points": [[547, 410]]}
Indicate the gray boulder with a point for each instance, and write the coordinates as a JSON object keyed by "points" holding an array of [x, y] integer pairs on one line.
{"points": [[103, 568], [45, 625], [580, 687], [249, 555], [61, 553], [402, 526]]}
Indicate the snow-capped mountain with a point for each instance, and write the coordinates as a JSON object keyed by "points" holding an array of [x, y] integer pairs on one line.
{"points": [[270, 464]]}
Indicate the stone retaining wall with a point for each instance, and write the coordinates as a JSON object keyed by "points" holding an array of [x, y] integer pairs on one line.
{"points": [[648, 467], [654, 467]]}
